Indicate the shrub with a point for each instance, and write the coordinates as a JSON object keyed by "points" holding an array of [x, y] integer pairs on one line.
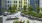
{"points": [[39, 15], [30, 8], [24, 7], [37, 9], [25, 12], [27, 21], [35, 14], [12, 9], [15, 22]]}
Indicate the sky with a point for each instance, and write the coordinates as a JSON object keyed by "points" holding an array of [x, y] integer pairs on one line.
{"points": [[40, 3]]}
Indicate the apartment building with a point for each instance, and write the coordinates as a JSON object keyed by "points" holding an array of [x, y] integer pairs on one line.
{"points": [[34, 4], [0, 3], [0, 7], [5, 4], [18, 3]]}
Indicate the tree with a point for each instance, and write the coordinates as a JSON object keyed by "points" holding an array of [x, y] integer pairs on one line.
{"points": [[9, 9], [12, 9], [30, 8], [24, 8], [37, 9]]}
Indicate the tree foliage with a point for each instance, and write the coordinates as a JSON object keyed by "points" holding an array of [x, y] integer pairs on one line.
{"points": [[28, 22], [37, 9], [12, 9], [30, 8], [24, 8]]}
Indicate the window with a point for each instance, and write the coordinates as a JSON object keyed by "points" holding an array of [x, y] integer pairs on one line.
{"points": [[15, 1], [8, 1], [20, 5], [20, 1], [15, 5], [36, 2], [25, 2], [8, 5], [5, 5]]}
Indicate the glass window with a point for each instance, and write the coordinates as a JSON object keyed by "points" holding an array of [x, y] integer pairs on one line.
{"points": [[8, 1], [15, 5], [25, 2], [15, 1], [8, 5], [20, 1], [36, 2]]}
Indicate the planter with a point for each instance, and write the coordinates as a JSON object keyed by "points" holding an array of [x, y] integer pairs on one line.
{"points": [[31, 17]]}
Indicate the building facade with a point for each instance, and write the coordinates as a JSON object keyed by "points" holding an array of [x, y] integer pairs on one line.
{"points": [[5, 4], [34, 4], [18, 3], [1, 11], [0, 3], [0, 7]]}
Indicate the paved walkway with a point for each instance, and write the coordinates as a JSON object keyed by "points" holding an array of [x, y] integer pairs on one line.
{"points": [[20, 18]]}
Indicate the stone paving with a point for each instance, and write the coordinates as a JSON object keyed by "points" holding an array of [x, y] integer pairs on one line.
{"points": [[20, 18]]}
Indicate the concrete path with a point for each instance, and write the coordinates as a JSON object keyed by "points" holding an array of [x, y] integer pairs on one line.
{"points": [[20, 18]]}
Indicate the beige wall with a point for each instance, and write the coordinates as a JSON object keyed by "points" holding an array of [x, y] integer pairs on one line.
{"points": [[12, 3], [22, 3]]}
